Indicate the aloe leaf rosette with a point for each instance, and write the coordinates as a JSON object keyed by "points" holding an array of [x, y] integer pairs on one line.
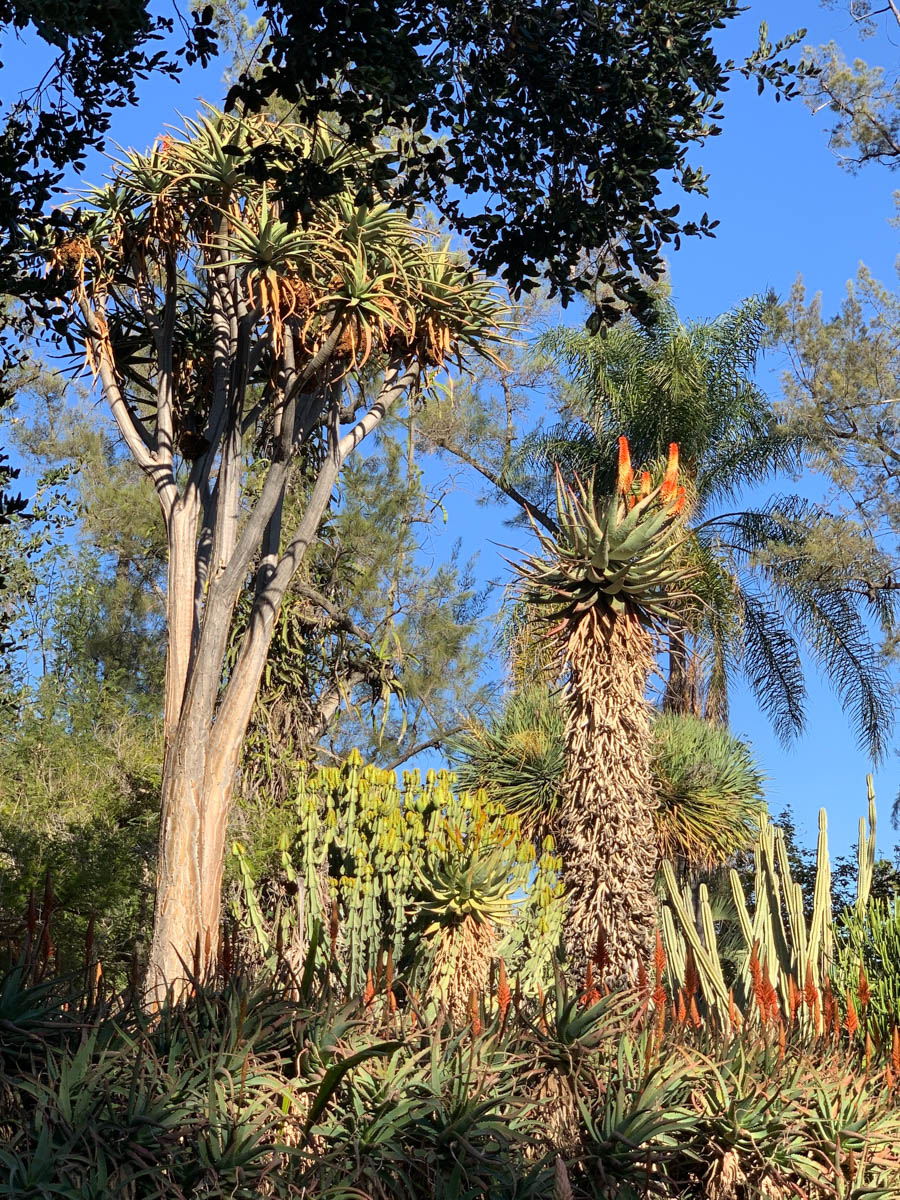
{"points": [[614, 551]]}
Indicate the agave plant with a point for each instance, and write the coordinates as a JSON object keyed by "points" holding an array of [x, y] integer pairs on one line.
{"points": [[603, 581]]}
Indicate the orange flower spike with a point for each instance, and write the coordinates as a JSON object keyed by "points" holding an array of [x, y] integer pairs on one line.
{"points": [[474, 1014], [732, 1010], [660, 1021], [829, 1007], [659, 959], [679, 502], [504, 997], [369, 992], [895, 1051], [626, 474], [773, 1008], [646, 485], [759, 993], [865, 994], [670, 479], [695, 1013], [682, 1013], [810, 991], [852, 1018], [592, 995]]}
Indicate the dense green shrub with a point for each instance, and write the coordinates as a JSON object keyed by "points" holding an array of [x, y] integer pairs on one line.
{"points": [[867, 963], [79, 798]]}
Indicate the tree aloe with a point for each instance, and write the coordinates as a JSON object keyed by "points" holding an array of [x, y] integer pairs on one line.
{"points": [[226, 342], [604, 578]]}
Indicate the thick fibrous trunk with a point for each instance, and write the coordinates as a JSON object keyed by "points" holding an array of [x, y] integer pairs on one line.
{"points": [[607, 839], [198, 783]]}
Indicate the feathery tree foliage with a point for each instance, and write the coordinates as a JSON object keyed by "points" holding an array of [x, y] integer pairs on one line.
{"points": [[226, 343], [840, 391], [862, 99], [762, 594], [380, 647]]}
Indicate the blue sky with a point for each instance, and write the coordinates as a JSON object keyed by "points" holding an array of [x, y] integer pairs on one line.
{"points": [[785, 208]]}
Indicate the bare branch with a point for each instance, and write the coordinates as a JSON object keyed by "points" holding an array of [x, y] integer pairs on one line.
{"points": [[164, 336], [434, 743], [238, 701], [131, 428], [542, 518]]}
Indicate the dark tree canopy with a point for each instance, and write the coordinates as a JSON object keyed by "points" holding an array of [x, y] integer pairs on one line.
{"points": [[542, 131], [100, 51]]}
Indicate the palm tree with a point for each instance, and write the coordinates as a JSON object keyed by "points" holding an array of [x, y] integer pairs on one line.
{"points": [[604, 580], [761, 591]]}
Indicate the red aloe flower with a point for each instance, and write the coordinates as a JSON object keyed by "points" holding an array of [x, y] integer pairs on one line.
{"points": [[670, 479], [852, 1020], [504, 996], [626, 474]]}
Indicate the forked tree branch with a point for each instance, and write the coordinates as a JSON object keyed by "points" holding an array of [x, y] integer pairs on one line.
{"points": [[131, 428], [236, 706]]}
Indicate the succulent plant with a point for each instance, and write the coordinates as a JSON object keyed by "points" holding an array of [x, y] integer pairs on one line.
{"points": [[464, 904], [612, 552], [383, 865], [604, 578]]}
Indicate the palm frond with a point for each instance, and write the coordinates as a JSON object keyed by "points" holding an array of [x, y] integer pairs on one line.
{"points": [[772, 666], [852, 664], [519, 758]]}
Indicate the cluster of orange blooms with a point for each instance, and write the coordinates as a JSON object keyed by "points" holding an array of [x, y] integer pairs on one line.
{"points": [[670, 492]]}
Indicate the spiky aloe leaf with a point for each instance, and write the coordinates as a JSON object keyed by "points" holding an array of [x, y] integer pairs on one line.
{"points": [[614, 551]]}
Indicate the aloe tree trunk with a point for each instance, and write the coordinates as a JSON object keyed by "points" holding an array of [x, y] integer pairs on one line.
{"points": [[607, 838], [207, 716]]}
